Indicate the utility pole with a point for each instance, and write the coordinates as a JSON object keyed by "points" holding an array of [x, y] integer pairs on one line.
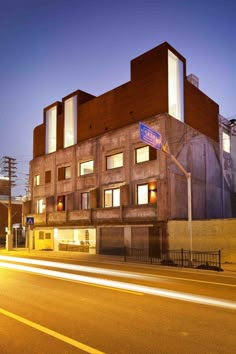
{"points": [[165, 149], [9, 168]]}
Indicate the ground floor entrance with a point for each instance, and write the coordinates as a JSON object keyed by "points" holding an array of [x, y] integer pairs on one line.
{"points": [[64, 239], [101, 239]]}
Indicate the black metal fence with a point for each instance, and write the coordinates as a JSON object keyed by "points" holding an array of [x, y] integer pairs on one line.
{"points": [[210, 260]]}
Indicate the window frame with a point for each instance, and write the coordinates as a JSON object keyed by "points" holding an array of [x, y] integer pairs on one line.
{"points": [[51, 130], [87, 200], [70, 121], [151, 194], [62, 173], [112, 190], [40, 206], [37, 180], [175, 86], [61, 203], [152, 154], [139, 186], [84, 163], [226, 142], [67, 172], [108, 157], [48, 176]]}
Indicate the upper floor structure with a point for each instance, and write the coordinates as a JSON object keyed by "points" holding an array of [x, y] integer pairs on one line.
{"points": [[158, 85]]}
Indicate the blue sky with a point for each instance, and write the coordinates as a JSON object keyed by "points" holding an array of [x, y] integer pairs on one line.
{"points": [[50, 48]]}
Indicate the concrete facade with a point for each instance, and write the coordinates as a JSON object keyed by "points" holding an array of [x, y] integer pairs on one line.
{"points": [[129, 224], [108, 126]]}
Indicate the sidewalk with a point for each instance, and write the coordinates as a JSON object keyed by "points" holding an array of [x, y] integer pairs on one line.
{"points": [[87, 257]]}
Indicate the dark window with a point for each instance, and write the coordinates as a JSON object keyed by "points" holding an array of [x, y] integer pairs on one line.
{"points": [[41, 235], [47, 236], [47, 176]]}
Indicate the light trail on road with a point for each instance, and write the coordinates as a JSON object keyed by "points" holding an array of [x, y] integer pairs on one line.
{"points": [[104, 271], [85, 269], [112, 284]]}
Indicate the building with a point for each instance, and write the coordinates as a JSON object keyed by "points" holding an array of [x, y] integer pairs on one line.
{"points": [[16, 212], [96, 187]]}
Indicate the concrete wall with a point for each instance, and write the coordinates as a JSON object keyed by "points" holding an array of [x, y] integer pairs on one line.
{"points": [[200, 156], [197, 153], [207, 235]]}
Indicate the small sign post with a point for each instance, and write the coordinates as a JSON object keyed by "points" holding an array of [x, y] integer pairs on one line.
{"points": [[29, 220], [30, 224]]}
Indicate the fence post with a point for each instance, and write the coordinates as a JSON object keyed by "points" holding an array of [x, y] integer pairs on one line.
{"points": [[125, 254], [219, 260], [182, 257]]}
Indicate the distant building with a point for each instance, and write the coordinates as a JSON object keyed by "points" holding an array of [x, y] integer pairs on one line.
{"points": [[4, 186], [17, 231], [96, 187]]}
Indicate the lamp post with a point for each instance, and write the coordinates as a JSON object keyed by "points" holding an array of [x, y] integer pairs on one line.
{"points": [[165, 148]]}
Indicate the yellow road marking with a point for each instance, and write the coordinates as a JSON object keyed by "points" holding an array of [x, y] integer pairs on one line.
{"points": [[52, 333]]}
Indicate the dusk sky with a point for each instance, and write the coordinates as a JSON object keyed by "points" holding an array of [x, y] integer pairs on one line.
{"points": [[50, 48]]}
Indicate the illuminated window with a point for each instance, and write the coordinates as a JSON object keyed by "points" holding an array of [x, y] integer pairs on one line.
{"points": [[114, 161], [175, 86], [51, 130], [226, 141], [143, 194], [67, 172], [85, 200], [147, 193], [40, 206], [112, 197], [61, 203], [70, 122], [86, 167], [145, 153], [64, 173], [37, 180]]}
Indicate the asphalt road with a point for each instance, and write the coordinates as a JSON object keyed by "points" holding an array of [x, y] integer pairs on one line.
{"points": [[126, 309]]}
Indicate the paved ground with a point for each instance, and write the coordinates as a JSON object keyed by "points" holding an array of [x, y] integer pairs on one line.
{"points": [[227, 267]]}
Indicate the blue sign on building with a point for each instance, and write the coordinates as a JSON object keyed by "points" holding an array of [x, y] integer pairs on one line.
{"points": [[150, 136]]}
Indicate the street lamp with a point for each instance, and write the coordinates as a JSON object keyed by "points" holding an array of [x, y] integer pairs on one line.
{"points": [[165, 148]]}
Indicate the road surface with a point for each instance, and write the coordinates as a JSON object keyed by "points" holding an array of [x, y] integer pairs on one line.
{"points": [[51, 307]]}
